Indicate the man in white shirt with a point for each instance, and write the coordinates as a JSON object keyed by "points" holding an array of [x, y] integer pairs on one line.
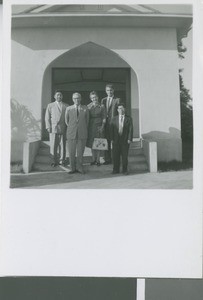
{"points": [[121, 136], [55, 125]]}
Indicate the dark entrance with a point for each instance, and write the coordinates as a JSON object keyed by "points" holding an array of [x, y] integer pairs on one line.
{"points": [[85, 80]]}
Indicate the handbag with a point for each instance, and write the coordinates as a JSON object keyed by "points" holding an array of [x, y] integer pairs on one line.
{"points": [[100, 144]]}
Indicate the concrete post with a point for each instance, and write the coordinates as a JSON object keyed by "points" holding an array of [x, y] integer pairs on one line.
{"points": [[150, 152], [30, 150], [153, 157]]}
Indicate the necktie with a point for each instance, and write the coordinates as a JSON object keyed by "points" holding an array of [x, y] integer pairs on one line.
{"points": [[121, 125], [77, 112], [108, 103], [59, 106]]}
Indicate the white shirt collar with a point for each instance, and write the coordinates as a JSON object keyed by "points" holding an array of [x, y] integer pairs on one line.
{"points": [[59, 104]]}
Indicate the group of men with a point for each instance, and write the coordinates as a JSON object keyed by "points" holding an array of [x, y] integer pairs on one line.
{"points": [[70, 123]]}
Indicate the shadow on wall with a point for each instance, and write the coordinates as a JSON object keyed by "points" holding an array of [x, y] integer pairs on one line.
{"points": [[169, 144], [23, 127], [173, 133]]}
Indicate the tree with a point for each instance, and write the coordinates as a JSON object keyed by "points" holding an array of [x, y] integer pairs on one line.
{"points": [[186, 103], [186, 112], [181, 49]]}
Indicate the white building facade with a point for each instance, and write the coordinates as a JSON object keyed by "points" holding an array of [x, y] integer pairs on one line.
{"points": [[82, 48]]}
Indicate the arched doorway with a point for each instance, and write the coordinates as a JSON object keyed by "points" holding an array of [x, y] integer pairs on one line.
{"points": [[85, 80], [83, 69]]}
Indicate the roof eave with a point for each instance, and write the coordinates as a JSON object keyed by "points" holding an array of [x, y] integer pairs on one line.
{"points": [[181, 22]]}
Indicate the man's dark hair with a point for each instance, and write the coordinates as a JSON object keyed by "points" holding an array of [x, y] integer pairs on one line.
{"points": [[110, 85], [58, 91], [93, 93], [121, 104]]}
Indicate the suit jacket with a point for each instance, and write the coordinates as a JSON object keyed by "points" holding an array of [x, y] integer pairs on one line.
{"points": [[77, 127], [127, 129], [55, 118], [112, 112]]}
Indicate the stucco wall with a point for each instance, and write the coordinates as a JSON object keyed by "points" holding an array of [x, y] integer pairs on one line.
{"points": [[150, 52]]}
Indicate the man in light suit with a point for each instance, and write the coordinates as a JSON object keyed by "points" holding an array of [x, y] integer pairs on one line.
{"points": [[111, 104], [56, 126], [77, 119], [121, 136]]}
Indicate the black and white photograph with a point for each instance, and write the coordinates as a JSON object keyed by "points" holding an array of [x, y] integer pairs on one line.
{"points": [[101, 96], [101, 148]]}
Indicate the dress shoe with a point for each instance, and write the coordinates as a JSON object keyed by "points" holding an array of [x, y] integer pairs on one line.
{"points": [[125, 173], [93, 163], [107, 163], [98, 164]]}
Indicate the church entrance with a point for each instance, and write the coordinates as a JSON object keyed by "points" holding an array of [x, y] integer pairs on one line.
{"points": [[89, 67], [85, 80]]}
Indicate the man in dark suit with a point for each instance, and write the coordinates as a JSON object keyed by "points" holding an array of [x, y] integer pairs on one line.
{"points": [[55, 125], [121, 136], [77, 119], [111, 104]]}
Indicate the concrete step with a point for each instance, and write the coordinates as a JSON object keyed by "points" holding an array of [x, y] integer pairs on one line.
{"points": [[40, 167], [86, 159], [44, 159], [135, 148], [132, 166], [135, 144], [45, 151], [137, 163], [135, 151], [44, 144], [137, 158]]}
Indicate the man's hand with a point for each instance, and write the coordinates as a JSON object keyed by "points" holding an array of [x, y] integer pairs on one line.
{"points": [[129, 141], [49, 130]]}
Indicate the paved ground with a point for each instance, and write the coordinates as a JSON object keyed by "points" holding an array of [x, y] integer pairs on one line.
{"points": [[101, 178]]}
